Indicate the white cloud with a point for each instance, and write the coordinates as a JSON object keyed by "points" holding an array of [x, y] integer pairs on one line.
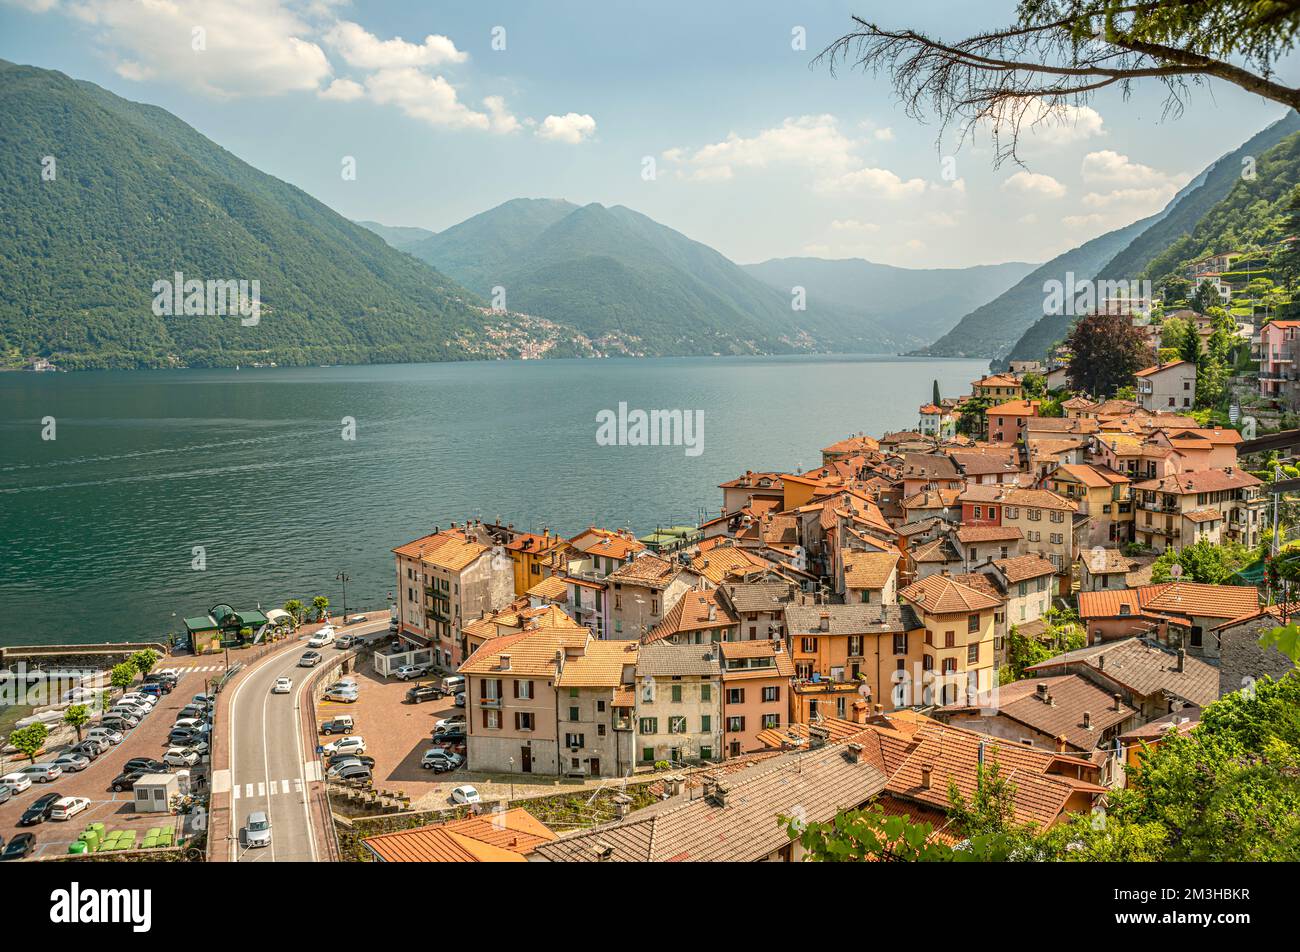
{"points": [[1139, 201], [810, 141], [572, 128], [880, 182], [1084, 221], [501, 118], [1115, 169], [1039, 123], [249, 47], [343, 90], [1034, 183], [853, 225], [364, 50], [884, 135], [430, 99]]}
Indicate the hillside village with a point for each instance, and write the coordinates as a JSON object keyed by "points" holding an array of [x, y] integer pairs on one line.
{"points": [[1000, 584]]}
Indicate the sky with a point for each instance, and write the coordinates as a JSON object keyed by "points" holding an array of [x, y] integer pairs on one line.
{"points": [[709, 117]]}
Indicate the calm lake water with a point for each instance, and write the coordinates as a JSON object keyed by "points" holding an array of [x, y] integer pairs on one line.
{"points": [[97, 526]]}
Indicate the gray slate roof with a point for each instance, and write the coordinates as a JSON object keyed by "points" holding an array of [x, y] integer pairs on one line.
{"points": [[852, 619]]}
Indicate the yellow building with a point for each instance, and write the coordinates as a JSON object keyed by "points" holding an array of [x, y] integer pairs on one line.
{"points": [[531, 554], [957, 656]]}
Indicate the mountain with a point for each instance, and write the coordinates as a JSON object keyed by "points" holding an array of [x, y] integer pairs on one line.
{"points": [[632, 284], [993, 328], [1213, 212], [136, 195], [920, 304], [397, 236]]}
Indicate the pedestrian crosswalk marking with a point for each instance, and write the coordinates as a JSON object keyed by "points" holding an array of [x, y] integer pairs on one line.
{"points": [[272, 788]]}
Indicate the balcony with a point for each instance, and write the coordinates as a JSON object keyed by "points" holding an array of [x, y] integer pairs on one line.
{"points": [[622, 723], [491, 703]]}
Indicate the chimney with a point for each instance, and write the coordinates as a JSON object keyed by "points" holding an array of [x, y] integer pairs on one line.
{"points": [[853, 753], [1182, 659], [1118, 702], [604, 852], [1087, 720], [622, 804], [1101, 662], [1060, 744], [559, 660], [709, 782], [926, 772], [505, 661], [713, 612], [1042, 690], [719, 798], [825, 621]]}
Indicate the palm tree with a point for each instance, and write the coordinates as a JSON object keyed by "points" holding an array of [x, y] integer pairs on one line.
{"points": [[320, 603], [296, 610]]}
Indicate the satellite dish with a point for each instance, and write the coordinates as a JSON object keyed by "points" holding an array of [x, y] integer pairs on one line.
{"points": [[1175, 571]]}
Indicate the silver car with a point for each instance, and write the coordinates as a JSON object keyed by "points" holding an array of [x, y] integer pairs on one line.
{"points": [[258, 830]]}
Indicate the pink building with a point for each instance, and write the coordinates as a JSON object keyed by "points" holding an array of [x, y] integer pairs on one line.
{"points": [[1277, 369]]}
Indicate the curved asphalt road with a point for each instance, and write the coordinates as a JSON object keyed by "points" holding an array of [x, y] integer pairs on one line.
{"points": [[271, 768]]}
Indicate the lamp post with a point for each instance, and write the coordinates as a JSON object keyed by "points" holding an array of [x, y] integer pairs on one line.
{"points": [[344, 577], [512, 778]]}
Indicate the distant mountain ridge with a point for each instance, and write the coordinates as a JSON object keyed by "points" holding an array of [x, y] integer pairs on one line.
{"points": [[629, 282], [397, 236]]}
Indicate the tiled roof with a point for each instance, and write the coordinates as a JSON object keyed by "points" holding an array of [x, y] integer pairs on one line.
{"points": [[939, 551], [869, 569], [693, 828], [531, 652], [449, 549], [1014, 496], [760, 648], [932, 499], [940, 595], [1171, 598], [854, 444], [1014, 408], [500, 837], [552, 587], [1203, 515], [1095, 477], [1200, 481], [1182, 720], [851, 619], [996, 380], [603, 542], [691, 613], [968, 534], [648, 570], [602, 664], [662, 659], [723, 560], [929, 466], [757, 596], [1160, 368], [1070, 697], [1143, 667], [1025, 567]]}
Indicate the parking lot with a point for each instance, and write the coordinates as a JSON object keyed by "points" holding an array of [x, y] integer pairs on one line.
{"points": [[114, 810]]}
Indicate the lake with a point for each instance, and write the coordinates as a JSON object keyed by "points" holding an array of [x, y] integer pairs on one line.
{"points": [[98, 526]]}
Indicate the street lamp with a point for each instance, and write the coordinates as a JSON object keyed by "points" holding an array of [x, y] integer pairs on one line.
{"points": [[344, 577], [512, 778]]}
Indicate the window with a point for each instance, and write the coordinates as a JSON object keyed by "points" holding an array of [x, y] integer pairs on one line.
{"points": [[706, 753], [491, 689], [649, 725], [491, 719], [677, 694], [524, 689], [949, 665], [771, 693], [900, 643], [949, 639], [647, 753], [735, 724], [677, 724], [771, 721], [973, 653], [575, 740], [706, 692], [808, 645], [855, 646], [574, 714], [706, 723], [735, 695], [977, 512]]}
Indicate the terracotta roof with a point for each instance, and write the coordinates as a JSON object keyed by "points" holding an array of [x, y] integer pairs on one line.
{"points": [[871, 570], [929, 466], [1182, 721], [605, 543], [1025, 567], [1203, 515], [996, 380], [761, 648], [694, 828], [721, 561], [534, 542], [602, 664], [1160, 368], [1143, 667], [495, 838], [552, 587], [758, 596], [939, 595], [1171, 598], [932, 499], [1200, 481], [939, 551], [531, 651], [1069, 697], [854, 444], [449, 549], [1014, 408], [648, 570], [1094, 477], [1014, 496], [691, 613], [989, 533]]}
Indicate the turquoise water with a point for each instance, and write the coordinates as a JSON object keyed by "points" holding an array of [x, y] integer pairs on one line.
{"points": [[98, 526]]}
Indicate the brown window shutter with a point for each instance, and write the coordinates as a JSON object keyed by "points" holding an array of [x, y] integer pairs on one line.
{"points": [[516, 720], [516, 684], [485, 719]]}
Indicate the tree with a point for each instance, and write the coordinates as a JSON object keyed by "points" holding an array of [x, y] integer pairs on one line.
{"points": [[122, 675], [144, 661], [936, 401], [1203, 561], [297, 611], [1024, 652], [991, 809], [1060, 53], [1205, 297], [1035, 386], [867, 834], [320, 603], [1106, 351], [77, 716], [29, 740], [1173, 333], [970, 415], [1174, 289]]}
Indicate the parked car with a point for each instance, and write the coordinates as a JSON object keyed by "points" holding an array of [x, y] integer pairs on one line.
{"points": [[321, 639], [79, 696], [68, 807], [455, 722], [126, 780], [409, 671], [339, 759], [16, 782], [258, 831], [89, 748], [43, 772], [423, 692], [6, 794], [188, 723], [453, 684], [460, 700], [180, 757], [154, 689], [342, 695], [352, 771], [357, 620], [199, 746], [170, 674], [340, 724], [142, 698], [350, 683], [108, 734], [309, 659], [194, 711], [465, 794], [450, 735], [147, 764], [72, 763], [38, 811], [138, 711], [347, 745], [120, 724], [206, 701], [185, 737], [20, 847], [438, 760], [282, 686], [348, 641]]}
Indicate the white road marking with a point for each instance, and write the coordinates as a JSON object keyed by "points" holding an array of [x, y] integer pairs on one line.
{"points": [[261, 789], [220, 781]]}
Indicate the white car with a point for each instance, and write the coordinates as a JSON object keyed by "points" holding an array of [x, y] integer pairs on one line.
{"points": [[449, 723], [282, 686], [79, 696], [105, 733], [258, 831], [408, 671], [16, 782], [465, 794], [180, 757], [195, 722], [322, 638], [68, 807], [346, 745], [146, 701]]}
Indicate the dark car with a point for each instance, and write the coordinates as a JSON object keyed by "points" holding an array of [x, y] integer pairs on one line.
{"points": [[39, 810], [121, 724], [19, 847], [339, 759], [355, 771], [193, 710], [185, 736], [145, 764], [425, 692], [127, 778], [454, 735], [154, 688]]}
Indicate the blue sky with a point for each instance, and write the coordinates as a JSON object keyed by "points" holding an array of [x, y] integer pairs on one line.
{"points": [[755, 153]]}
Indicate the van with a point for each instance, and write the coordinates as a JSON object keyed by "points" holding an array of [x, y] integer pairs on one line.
{"points": [[453, 684], [339, 724]]}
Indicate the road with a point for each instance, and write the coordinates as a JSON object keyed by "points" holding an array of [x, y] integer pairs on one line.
{"points": [[271, 768]]}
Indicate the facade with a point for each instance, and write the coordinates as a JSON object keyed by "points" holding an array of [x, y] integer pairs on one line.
{"points": [[1215, 504], [1180, 614], [1103, 495], [1242, 660], [755, 692], [678, 703], [642, 592], [998, 387], [1007, 421], [1167, 387], [958, 651], [1046, 519], [1279, 376]]}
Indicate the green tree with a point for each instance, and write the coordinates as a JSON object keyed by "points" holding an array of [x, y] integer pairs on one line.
{"points": [[77, 716], [320, 604], [970, 416], [144, 661], [29, 740], [869, 835], [297, 611], [1205, 297], [1062, 52], [1203, 561], [1173, 333], [1174, 289], [1106, 351], [1035, 386], [991, 810], [935, 395], [122, 675]]}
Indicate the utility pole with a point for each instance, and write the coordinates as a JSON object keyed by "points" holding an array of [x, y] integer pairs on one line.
{"points": [[344, 577]]}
